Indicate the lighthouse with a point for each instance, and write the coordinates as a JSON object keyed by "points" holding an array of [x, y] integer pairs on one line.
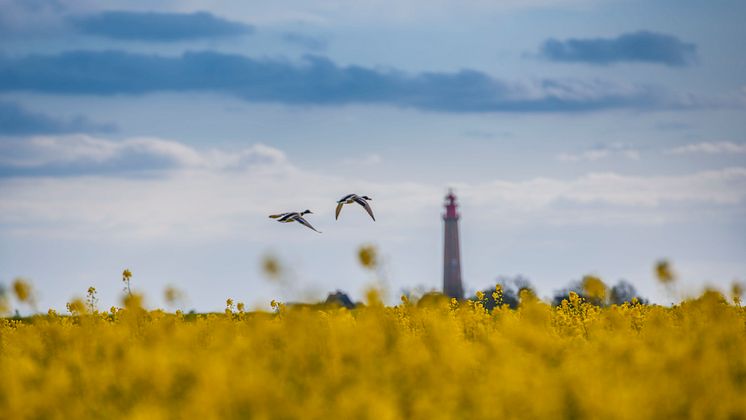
{"points": [[452, 286]]}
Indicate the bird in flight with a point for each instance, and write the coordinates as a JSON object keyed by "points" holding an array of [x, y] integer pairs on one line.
{"points": [[294, 217], [354, 198]]}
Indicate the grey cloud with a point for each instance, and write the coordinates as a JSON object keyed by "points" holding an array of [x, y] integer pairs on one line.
{"points": [[641, 46], [314, 81], [312, 43], [16, 120], [154, 26]]}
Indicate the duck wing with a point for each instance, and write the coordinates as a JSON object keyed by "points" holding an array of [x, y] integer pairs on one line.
{"points": [[339, 208], [305, 223], [365, 205], [345, 198]]}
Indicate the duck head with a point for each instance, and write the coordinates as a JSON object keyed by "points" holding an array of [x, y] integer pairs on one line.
{"points": [[365, 197], [306, 212]]}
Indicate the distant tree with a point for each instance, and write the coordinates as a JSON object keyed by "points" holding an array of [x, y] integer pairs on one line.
{"points": [[624, 291], [562, 294], [340, 298]]}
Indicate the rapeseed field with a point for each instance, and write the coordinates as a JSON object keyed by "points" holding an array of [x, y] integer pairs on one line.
{"points": [[434, 358]]}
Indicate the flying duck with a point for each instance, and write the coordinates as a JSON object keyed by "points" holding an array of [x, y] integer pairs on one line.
{"points": [[354, 198], [294, 217]]}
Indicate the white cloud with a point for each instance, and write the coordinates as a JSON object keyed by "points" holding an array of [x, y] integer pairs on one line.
{"points": [[199, 199], [721, 147], [588, 155], [720, 187], [81, 152], [601, 152], [368, 160]]}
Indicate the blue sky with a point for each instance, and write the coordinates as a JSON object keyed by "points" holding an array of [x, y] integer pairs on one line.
{"points": [[581, 136]]}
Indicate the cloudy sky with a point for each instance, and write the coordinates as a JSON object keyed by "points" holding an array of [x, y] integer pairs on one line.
{"points": [[581, 136]]}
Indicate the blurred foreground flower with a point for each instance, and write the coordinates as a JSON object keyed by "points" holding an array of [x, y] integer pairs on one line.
{"points": [[594, 288], [22, 290], [527, 295], [172, 295], [271, 267], [4, 301], [368, 257], [664, 273], [76, 307], [133, 301], [736, 291], [373, 297]]}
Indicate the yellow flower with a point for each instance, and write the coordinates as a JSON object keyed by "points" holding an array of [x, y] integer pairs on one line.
{"points": [[422, 361], [126, 275], [497, 295], [575, 299]]}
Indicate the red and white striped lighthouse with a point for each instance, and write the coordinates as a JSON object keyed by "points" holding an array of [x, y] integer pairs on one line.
{"points": [[452, 286]]}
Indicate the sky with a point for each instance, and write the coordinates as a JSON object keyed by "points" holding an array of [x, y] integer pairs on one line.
{"points": [[580, 136]]}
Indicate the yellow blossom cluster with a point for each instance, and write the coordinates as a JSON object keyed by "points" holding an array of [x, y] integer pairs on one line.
{"points": [[428, 359]]}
